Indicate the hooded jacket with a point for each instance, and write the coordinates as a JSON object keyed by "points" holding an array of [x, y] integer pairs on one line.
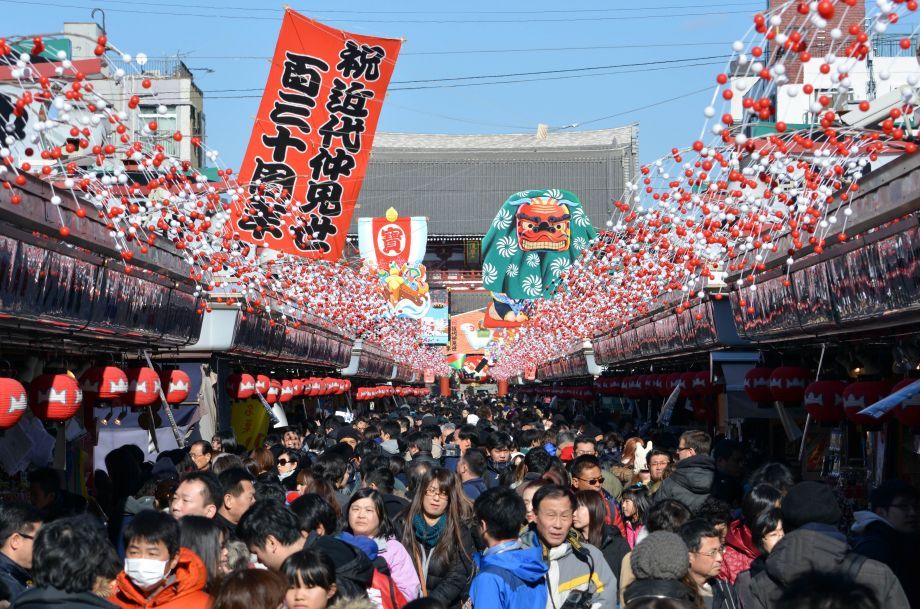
{"points": [[400, 564], [574, 566], [690, 483], [816, 547], [509, 577], [52, 598], [474, 488], [740, 551], [184, 588], [657, 588], [875, 538], [614, 548]]}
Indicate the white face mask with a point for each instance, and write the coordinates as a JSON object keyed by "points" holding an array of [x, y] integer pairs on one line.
{"points": [[145, 572], [285, 475]]}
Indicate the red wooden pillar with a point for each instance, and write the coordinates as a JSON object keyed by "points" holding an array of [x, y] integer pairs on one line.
{"points": [[445, 386], [502, 388]]}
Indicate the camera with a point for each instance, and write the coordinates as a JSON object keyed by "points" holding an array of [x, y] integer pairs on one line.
{"points": [[577, 599], [450, 450]]}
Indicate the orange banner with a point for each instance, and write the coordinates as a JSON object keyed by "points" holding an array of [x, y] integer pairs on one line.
{"points": [[312, 137]]}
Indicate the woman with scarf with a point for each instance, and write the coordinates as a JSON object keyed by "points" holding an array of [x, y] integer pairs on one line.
{"points": [[436, 534]]}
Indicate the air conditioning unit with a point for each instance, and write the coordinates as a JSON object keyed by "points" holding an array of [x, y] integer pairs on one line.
{"points": [[877, 112]]}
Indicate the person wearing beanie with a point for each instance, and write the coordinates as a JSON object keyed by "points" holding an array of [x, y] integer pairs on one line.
{"points": [[813, 543], [660, 563]]}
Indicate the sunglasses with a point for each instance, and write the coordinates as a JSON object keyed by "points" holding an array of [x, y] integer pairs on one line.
{"points": [[285, 461], [592, 481]]}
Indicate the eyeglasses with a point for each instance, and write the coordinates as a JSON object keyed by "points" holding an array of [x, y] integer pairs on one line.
{"points": [[591, 481], [27, 536], [682, 448], [434, 492], [712, 553], [285, 461]]}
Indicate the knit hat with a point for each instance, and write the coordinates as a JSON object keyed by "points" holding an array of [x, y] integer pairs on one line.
{"points": [[661, 555], [809, 502]]}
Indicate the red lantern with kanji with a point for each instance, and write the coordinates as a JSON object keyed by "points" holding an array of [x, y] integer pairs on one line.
{"points": [[908, 411], [55, 397], [241, 386], [176, 385], [287, 391], [274, 391], [104, 383], [263, 384], [757, 384], [862, 394], [13, 402], [788, 383], [143, 387], [824, 401]]}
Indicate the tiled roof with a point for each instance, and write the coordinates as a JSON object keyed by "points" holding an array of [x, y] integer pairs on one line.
{"points": [[506, 141]]}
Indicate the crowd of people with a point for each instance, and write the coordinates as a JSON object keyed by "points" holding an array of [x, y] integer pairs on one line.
{"points": [[457, 503]]}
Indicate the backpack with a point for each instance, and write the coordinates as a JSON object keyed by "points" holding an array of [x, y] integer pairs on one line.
{"points": [[384, 593]]}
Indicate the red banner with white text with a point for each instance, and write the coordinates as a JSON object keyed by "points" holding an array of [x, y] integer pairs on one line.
{"points": [[312, 137]]}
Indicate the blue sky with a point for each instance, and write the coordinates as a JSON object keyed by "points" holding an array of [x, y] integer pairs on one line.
{"points": [[668, 39]]}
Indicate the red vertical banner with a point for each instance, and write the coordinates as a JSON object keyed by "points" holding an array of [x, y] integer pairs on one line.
{"points": [[310, 144]]}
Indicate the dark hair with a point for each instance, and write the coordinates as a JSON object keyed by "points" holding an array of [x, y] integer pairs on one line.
{"points": [[715, 511], [419, 440], [17, 518], [313, 510], [202, 536], [759, 498], [537, 461], [502, 510], [310, 568], [416, 471], [251, 589], [725, 448], [110, 563], [224, 461], [774, 474], [330, 467], [586, 440], [597, 514], [763, 523], [391, 428], [888, 491], [205, 447], [382, 478], [529, 436], [698, 440], [552, 491], [498, 440], [268, 488], [385, 529], [67, 554], [213, 492], [638, 494], [475, 460], [266, 518], [693, 531], [667, 515], [228, 442], [582, 463], [469, 432], [450, 544], [264, 458], [653, 602], [425, 602], [816, 590], [658, 452], [46, 479], [232, 480], [154, 527]]}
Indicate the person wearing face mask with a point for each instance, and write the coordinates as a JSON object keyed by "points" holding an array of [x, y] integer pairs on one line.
{"points": [[159, 574], [287, 467]]}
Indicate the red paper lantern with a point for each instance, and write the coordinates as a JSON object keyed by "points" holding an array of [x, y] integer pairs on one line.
{"points": [[298, 386], [703, 409], [13, 402], [143, 387], [653, 385], [104, 383], [287, 391], [55, 397], [699, 384], [788, 383], [263, 384], [908, 411], [824, 401], [241, 386], [757, 384], [274, 391], [862, 394], [677, 379], [176, 385]]}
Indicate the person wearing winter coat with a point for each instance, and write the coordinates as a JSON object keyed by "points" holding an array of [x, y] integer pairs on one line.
{"points": [[888, 533], [574, 567], [19, 524], [691, 482], [508, 576], [740, 551], [660, 563], [435, 534], [66, 560], [158, 572], [705, 552], [812, 543], [366, 516], [766, 531], [741, 548], [588, 520]]}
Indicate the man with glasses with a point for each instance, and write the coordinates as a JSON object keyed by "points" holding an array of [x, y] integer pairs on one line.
{"points": [[888, 533], [658, 462], [706, 552], [19, 524], [587, 476], [691, 482]]}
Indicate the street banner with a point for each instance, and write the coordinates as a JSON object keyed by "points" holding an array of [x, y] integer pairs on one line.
{"points": [[312, 137]]}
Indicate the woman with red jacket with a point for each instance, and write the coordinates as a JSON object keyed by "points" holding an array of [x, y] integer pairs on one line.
{"points": [[740, 550]]}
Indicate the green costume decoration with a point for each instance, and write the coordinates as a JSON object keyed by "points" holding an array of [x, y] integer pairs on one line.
{"points": [[533, 240]]}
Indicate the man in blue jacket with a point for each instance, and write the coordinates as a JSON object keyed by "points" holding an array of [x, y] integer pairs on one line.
{"points": [[508, 576]]}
